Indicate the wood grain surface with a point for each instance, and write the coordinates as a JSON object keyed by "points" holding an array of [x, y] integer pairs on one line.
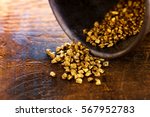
{"points": [[27, 28]]}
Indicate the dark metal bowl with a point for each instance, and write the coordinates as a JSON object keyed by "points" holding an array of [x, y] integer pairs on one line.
{"points": [[75, 15]]}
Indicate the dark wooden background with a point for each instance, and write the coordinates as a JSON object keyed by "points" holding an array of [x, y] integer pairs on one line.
{"points": [[27, 28]]}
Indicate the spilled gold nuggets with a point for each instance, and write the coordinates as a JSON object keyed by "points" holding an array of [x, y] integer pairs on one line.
{"points": [[78, 63]]}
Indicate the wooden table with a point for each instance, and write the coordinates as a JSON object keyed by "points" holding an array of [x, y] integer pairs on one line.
{"points": [[27, 28]]}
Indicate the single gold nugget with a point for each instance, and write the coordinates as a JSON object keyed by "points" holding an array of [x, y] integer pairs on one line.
{"points": [[53, 74]]}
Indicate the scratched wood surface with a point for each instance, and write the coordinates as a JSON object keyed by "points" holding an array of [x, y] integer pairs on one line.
{"points": [[27, 28]]}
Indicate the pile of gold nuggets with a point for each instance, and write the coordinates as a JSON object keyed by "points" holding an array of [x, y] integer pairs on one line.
{"points": [[125, 19]]}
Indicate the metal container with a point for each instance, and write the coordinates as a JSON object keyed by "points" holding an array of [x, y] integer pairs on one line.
{"points": [[75, 15]]}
